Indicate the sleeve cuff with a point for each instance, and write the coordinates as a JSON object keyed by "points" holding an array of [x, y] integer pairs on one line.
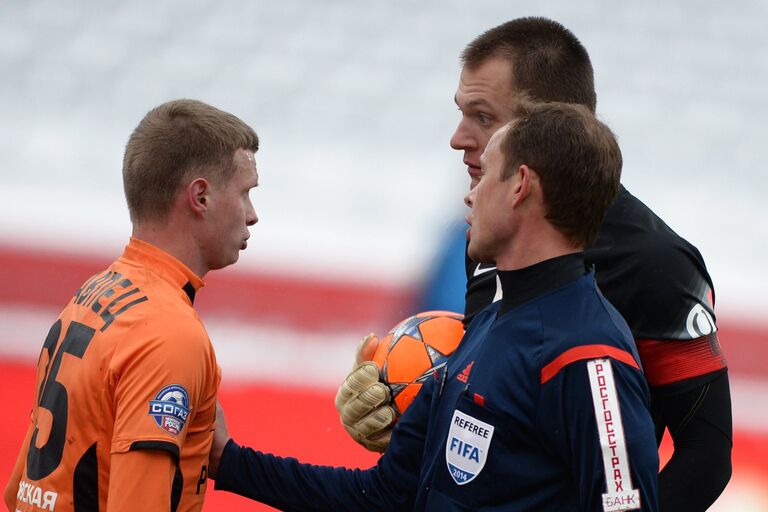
{"points": [[226, 465], [157, 445]]}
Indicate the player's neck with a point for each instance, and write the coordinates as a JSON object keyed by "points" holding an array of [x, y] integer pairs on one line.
{"points": [[534, 245], [175, 241]]}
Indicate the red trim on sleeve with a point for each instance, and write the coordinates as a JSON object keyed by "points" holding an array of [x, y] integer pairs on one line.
{"points": [[666, 362], [586, 352]]}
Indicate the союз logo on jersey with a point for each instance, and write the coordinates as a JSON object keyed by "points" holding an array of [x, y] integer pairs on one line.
{"points": [[170, 408]]}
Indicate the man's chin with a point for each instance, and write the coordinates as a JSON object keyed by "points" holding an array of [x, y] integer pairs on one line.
{"points": [[477, 254], [472, 251], [225, 263]]}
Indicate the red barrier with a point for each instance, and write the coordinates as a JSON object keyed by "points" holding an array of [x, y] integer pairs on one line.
{"points": [[303, 423]]}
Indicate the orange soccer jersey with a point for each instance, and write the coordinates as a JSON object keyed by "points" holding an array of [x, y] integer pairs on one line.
{"points": [[126, 370]]}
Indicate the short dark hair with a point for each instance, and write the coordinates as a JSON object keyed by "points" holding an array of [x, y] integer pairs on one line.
{"points": [[174, 139], [577, 159], [548, 62]]}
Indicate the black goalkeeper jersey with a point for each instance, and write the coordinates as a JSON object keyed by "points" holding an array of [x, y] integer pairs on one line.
{"points": [[656, 279]]}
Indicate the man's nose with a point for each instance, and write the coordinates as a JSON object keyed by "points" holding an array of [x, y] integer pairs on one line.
{"points": [[462, 137], [469, 199]]}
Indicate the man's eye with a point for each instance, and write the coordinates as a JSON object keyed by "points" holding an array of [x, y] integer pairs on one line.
{"points": [[484, 119]]}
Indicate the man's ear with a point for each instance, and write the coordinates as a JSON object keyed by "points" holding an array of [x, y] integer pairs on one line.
{"points": [[522, 184], [197, 195]]}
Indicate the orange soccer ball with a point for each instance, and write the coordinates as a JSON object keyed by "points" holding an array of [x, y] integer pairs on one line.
{"points": [[414, 350]]}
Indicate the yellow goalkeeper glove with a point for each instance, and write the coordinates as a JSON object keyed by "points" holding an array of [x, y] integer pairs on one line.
{"points": [[363, 401]]}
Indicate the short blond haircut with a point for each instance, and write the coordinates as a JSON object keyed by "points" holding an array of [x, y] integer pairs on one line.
{"points": [[172, 141]]}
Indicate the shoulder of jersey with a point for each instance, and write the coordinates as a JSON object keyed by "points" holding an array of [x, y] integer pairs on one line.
{"points": [[606, 325], [630, 218]]}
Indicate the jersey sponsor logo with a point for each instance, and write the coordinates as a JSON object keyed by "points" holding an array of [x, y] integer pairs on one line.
{"points": [[170, 408], [699, 322], [482, 270], [619, 494], [34, 495], [464, 375], [467, 447]]}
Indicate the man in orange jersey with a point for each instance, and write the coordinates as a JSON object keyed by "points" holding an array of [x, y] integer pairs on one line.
{"points": [[127, 379]]}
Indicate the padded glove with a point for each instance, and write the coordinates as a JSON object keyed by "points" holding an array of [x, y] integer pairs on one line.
{"points": [[363, 401]]}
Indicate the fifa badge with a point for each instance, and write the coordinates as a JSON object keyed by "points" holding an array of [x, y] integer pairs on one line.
{"points": [[467, 447]]}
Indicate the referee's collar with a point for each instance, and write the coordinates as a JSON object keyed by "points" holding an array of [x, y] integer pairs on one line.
{"points": [[519, 286]]}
